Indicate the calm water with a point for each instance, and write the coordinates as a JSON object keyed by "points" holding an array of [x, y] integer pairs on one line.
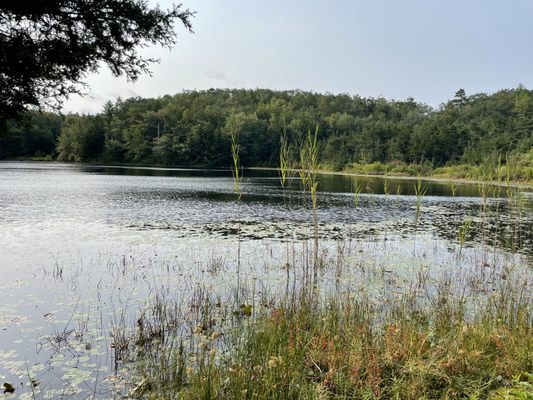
{"points": [[80, 242], [56, 210]]}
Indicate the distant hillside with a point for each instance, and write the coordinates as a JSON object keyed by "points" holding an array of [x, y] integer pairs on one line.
{"points": [[191, 128]]}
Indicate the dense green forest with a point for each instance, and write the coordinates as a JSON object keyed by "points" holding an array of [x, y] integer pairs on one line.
{"points": [[192, 129]]}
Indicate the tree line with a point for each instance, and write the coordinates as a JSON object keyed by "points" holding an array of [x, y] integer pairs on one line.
{"points": [[192, 128]]}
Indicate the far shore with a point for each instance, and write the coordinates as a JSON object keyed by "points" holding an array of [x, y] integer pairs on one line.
{"points": [[440, 179], [464, 181]]}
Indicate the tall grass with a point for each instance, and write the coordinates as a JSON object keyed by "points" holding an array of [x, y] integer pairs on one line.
{"points": [[286, 171], [237, 188], [357, 189], [519, 168], [420, 191], [463, 233], [347, 347], [308, 171]]}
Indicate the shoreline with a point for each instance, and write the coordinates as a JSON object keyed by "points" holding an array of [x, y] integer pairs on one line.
{"points": [[436, 179]]}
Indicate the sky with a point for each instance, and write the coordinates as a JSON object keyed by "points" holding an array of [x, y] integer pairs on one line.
{"points": [[425, 49]]}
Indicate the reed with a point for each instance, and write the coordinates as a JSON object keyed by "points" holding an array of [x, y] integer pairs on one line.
{"points": [[357, 188], [237, 185], [308, 171], [420, 191], [286, 171], [463, 233]]}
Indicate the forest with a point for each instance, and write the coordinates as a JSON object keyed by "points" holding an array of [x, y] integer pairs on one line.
{"points": [[192, 128]]}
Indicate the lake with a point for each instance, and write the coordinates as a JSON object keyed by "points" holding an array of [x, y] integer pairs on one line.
{"points": [[83, 248]]}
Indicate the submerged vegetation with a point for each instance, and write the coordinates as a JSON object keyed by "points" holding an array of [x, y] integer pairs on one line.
{"points": [[363, 135]]}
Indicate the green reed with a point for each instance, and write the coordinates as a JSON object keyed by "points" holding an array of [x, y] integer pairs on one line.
{"points": [[386, 186], [357, 188], [308, 171], [286, 170], [237, 185], [420, 191], [285, 165], [236, 161], [464, 231], [453, 187]]}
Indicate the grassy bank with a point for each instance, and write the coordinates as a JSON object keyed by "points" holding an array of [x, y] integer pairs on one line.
{"points": [[344, 348], [518, 169], [520, 175]]}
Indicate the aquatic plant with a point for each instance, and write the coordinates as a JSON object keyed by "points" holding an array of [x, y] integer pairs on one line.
{"points": [[285, 164], [420, 192], [464, 230], [286, 170], [357, 188], [386, 186], [345, 347], [235, 156], [453, 187], [308, 172]]}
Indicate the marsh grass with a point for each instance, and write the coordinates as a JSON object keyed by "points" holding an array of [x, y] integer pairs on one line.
{"points": [[420, 189], [463, 233], [236, 170], [348, 347], [286, 172], [518, 168], [308, 171], [357, 188]]}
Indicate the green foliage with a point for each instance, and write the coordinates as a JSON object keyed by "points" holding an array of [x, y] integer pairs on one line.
{"points": [[285, 165], [520, 389], [469, 137], [420, 191], [308, 166], [34, 136], [356, 190], [48, 47], [233, 126], [82, 139]]}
